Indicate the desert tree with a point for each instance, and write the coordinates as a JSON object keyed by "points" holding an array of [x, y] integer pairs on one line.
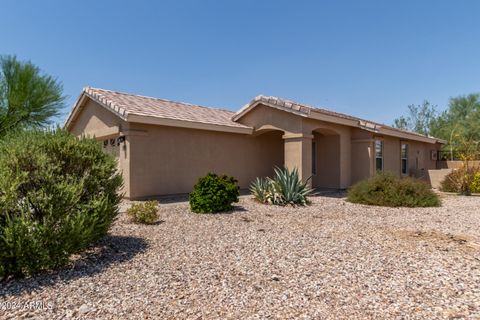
{"points": [[29, 98]]}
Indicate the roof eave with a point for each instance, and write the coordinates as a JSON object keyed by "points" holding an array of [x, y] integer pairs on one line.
{"points": [[77, 107], [254, 103], [187, 124], [319, 115], [409, 136]]}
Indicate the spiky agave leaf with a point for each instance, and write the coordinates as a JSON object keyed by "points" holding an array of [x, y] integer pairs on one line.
{"points": [[293, 189], [259, 189]]}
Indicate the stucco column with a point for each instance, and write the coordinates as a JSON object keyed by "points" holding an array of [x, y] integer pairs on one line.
{"points": [[298, 154], [345, 159]]}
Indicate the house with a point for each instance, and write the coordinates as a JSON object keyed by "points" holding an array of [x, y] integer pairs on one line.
{"points": [[163, 146]]}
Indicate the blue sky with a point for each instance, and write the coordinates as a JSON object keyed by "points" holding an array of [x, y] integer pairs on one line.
{"points": [[366, 58]]}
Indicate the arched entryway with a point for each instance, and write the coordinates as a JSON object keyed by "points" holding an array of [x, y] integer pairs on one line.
{"points": [[271, 150]]}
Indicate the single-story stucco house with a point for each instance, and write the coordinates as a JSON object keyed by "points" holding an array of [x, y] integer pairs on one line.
{"points": [[163, 146]]}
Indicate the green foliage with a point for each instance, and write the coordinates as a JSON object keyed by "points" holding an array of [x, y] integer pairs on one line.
{"points": [[28, 98], [458, 123], [146, 213], [419, 119], [58, 195], [475, 186], [285, 188], [260, 189], [214, 193], [464, 180], [461, 116], [386, 189], [266, 190]]}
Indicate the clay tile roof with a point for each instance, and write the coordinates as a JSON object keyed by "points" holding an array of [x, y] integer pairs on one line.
{"points": [[125, 104], [307, 109]]}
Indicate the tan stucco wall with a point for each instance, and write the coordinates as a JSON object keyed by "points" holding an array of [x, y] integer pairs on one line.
{"points": [[298, 135], [269, 118], [328, 161], [361, 163], [169, 160], [419, 156], [391, 158], [436, 176], [96, 121], [419, 160], [157, 160]]}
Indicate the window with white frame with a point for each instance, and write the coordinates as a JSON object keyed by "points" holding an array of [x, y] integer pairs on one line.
{"points": [[314, 158], [404, 158], [378, 155]]}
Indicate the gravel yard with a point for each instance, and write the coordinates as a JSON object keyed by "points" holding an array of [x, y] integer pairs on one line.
{"points": [[331, 260]]}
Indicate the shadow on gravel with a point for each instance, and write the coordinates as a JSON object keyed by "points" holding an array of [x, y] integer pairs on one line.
{"points": [[183, 197], [109, 251], [329, 193]]}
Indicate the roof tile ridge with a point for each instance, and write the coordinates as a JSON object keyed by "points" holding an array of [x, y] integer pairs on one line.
{"points": [[109, 103], [161, 99]]}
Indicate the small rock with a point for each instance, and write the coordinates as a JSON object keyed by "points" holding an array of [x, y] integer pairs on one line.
{"points": [[85, 309]]}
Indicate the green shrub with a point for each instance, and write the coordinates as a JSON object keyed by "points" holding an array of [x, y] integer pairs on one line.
{"points": [[214, 193], [146, 213], [475, 187], [386, 189], [58, 195], [285, 188]]}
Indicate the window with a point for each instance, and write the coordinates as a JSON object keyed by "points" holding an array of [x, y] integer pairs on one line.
{"points": [[379, 155], [404, 158], [314, 158]]}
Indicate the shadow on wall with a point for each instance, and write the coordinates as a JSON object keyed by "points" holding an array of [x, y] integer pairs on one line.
{"points": [[110, 250]]}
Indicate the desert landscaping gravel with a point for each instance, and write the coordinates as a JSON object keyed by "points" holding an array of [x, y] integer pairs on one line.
{"points": [[330, 260]]}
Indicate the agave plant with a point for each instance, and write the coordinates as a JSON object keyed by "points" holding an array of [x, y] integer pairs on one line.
{"points": [[274, 193], [293, 189], [259, 189], [286, 188]]}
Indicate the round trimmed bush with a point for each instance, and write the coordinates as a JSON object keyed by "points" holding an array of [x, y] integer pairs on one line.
{"points": [[214, 193], [58, 195], [389, 190]]}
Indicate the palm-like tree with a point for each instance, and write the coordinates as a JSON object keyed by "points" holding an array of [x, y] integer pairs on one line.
{"points": [[28, 98]]}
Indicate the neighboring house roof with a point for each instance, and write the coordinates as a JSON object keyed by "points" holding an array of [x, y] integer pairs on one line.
{"points": [[330, 116], [141, 109], [135, 108]]}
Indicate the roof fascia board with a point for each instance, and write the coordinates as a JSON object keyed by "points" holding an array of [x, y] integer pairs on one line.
{"points": [[187, 124], [76, 108], [109, 106], [245, 109], [80, 103], [332, 119], [406, 135]]}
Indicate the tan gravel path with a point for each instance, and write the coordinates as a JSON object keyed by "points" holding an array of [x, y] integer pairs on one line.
{"points": [[331, 260]]}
